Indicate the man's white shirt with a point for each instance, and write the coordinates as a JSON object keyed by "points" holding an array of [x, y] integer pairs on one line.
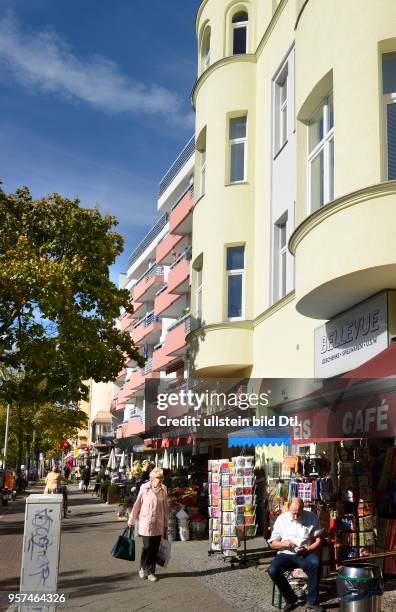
{"points": [[301, 532]]}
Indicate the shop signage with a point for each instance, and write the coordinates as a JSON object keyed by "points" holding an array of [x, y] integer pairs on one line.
{"points": [[351, 339], [371, 417]]}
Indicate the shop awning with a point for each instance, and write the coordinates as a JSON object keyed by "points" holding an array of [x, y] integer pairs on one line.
{"points": [[380, 366], [253, 436]]}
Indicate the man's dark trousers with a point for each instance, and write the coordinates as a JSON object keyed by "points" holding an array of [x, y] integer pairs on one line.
{"points": [[310, 564]]}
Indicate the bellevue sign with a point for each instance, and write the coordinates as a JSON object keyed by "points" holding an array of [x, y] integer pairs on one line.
{"points": [[352, 338]]}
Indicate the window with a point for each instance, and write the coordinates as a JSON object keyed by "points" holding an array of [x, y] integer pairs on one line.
{"points": [[389, 97], [237, 138], [280, 256], [206, 49], [281, 95], [198, 296], [203, 173], [235, 282], [201, 161], [239, 33], [321, 155]]}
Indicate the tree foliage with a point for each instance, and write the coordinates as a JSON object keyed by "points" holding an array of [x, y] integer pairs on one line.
{"points": [[58, 305]]}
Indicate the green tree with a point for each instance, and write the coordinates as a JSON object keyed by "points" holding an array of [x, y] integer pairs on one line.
{"points": [[58, 306]]}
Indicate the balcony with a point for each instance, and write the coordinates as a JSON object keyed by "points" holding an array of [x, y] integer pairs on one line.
{"points": [[175, 340], [147, 329], [167, 304], [177, 165], [138, 310], [146, 286], [161, 358], [180, 217], [165, 251], [124, 394], [126, 321], [351, 261], [179, 274], [133, 427], [121, 377], [148, 239]]}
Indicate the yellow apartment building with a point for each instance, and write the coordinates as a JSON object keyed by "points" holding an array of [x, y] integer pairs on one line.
{"points": [[295, 218]]}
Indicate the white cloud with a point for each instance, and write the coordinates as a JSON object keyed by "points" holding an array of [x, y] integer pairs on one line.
{"points": [[42, 61]]}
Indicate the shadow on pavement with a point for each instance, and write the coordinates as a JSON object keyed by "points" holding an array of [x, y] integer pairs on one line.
{"points": [[94, 585]]}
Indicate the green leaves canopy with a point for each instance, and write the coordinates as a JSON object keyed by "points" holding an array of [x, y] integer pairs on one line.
{"points": [[58, 305]]}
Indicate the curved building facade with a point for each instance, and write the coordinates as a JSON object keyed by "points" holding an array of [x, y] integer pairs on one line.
{"points": [[295, 181]]}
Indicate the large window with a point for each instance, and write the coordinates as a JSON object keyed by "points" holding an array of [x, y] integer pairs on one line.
{"points": [[235, 282], [205, 50], [321, 155], [389, 96], [281, 106], [239, 33], [237, 151], [280, 256]]}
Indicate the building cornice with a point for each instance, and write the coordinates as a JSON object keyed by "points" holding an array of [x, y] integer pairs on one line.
{"points": [[274, 308], [351, 199], [224, 61], [300, 12], [200, 331]]}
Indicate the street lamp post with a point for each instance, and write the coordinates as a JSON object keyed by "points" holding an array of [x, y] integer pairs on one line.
{"points": [[6, 438]]}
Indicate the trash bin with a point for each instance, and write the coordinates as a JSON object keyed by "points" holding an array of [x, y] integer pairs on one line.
{"points": [[360, 588]]}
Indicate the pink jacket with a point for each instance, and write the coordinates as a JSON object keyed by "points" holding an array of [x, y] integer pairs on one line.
{"points": [[151, 509]]}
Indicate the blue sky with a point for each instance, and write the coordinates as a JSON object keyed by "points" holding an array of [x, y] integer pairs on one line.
{"points": [[95, 101]]}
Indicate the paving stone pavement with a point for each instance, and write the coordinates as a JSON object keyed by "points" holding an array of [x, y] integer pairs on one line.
{"points": [[192, 581]]}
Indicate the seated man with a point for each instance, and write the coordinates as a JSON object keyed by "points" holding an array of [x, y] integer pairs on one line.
{"points": [[296, 537]]}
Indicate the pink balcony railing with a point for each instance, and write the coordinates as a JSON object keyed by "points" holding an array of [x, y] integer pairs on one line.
{"points": [[163, 253], [148, 329], [175, 339], [180, 218], [179, 274], [126, 321], [147, 285]]}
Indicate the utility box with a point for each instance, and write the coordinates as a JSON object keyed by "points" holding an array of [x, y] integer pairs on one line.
{"points": [[41, 547]]}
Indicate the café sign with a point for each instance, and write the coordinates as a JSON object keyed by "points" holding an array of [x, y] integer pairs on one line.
{"points": [[352, 338]]}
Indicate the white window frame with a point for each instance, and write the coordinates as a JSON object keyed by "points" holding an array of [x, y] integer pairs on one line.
{"points": [[280, 281], [198, 295], [282, 254], [202, 173], [205, 57], [235, 141], [236, 272], [281, 108], [237, 26], [322, 146]]}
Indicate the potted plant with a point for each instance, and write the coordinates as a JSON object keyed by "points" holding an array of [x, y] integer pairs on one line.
{"points": [[113, 494]]}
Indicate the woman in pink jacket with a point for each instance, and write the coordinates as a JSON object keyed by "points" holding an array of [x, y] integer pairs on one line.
{"points": [[151, 509]]}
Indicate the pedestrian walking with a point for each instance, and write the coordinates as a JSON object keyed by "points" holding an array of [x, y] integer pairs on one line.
{"points": [[151, 510], [86, 478], [66, 471], [53, 480]]}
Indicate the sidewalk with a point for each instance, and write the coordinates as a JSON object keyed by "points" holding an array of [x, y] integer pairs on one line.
{"points": [[193, 581]]}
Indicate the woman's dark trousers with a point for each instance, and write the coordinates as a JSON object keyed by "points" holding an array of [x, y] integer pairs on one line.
{"points": [[148, 559]]}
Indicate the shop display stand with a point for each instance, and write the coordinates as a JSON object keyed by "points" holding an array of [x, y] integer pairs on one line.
{"points": [[356, 517], [245, 504], [232, 507]]}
